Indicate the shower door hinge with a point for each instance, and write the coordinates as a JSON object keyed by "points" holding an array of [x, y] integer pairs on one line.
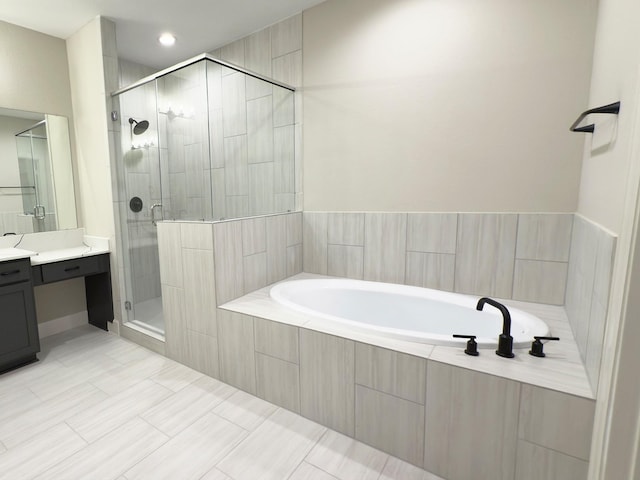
{"points": [[114, 116], [127, 305]]}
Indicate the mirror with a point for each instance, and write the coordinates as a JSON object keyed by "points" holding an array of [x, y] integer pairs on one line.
{"points": [[36, 180]]}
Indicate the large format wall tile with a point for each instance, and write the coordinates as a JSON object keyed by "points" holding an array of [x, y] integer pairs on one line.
{"points": [[471, 425], [390, 423], [346, 229], [228, 261], [236, 350], [199, 291], [315, 242], [540, 282], [169, 245], [485, 254], [391, 372], [432, 232], [278, 382], [544, 236], [327, 385], [345, 261], [385, 247], [277, 340], [431, 270], [535, 462], [556, 420]]}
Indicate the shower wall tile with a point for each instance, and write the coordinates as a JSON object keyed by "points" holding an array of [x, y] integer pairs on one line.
{"points": [[169, 246], [544, 236], [254, 236], [595, 341], [236, 351], [327, 384], [257, 53], [430, 270], [278, 382], [219, 193], [228, 260], [315, 242], [391, 372], [286, 36], [199, 291], [346, 229], [276, 226], [545, 415], [540, 282], [236, 166], [234, 107], [261, 197], [233, 53], [216, 138], [283, 144], [398, 425], [196, 235], [260, 130], [432, 232], [237, 206], [345, 261], [255, 272], [288, 69], [456, 402], [534, 462], [284, 104], [485, 254], [277, 340], [385, 247]]}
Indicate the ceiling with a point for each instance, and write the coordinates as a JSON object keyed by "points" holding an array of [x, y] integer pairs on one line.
{"points": [[199, 25]]}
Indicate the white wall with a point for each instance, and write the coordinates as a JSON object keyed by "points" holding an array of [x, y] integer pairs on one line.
{"points": [[414, 105]]}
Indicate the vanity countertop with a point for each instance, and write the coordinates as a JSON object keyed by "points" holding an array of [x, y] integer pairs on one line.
{"points": [[51, 256], [7, 254]]}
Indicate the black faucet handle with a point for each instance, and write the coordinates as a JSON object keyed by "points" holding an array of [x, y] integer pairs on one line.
{"points": [[537, 346], [472, 345]]}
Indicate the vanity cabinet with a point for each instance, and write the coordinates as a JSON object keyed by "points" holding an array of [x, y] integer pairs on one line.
{"points": [[19, 341]]}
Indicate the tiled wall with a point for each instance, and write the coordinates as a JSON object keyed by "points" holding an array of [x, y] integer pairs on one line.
{"points": [[588, 284], [253, 109], [519, 256], [203, 265], [454, 422]]}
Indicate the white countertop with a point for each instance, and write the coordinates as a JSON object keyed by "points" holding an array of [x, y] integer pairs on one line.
{"points": [[49, 247]]}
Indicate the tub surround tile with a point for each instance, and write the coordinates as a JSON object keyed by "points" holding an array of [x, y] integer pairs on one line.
{"points": [[274, 450], [385, 247], [169, 242], [228, 261], [278, 382], [391, 424], [345, 261], [199, 285], [345, 458], [327, 384], [432, 232], [485, 254], [391, 372], [315, 242], [276, 248], [255, 271], [534, 462], [294, 260], [346, 229], [455, 408], [597, 324], [540, 282], [431, 270], [276, 340], [544, 237], [196, 235], [545, 415], [294, 229], [236, 350], [254, 236]]}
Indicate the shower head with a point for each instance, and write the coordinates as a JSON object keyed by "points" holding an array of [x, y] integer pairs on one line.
{"points": [[140, 127]]}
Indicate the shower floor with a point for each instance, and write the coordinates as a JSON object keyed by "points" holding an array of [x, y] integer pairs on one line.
{"points": [[148, 315]]}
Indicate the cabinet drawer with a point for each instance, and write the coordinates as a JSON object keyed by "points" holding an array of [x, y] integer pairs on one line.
{"points": [[15, 271], [77, 267]]}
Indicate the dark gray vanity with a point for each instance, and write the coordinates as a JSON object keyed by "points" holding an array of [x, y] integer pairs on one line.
{"points": [[19, 340]]}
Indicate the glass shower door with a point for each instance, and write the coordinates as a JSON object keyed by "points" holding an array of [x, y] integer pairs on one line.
{"points": [[141, 189]]}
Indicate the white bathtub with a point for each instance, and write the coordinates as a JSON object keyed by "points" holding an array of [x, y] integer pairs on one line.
{"points": [[404, 312]]}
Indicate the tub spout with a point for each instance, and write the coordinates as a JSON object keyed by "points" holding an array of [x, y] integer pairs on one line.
{"points": [[505, 340]]}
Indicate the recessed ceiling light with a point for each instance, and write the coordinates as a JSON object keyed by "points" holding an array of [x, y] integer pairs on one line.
{"points": [[167, 39]]}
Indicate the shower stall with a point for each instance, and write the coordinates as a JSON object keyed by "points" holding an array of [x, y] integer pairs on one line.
{"points": [[202, 141]]}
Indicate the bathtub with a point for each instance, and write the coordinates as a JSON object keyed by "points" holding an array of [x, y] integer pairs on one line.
{"points": [[405, 312]]}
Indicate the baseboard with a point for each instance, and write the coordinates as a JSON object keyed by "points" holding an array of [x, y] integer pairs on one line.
{"points": [[62, 324]]}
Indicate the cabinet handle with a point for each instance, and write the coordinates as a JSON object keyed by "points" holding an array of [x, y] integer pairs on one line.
{"points": [[71, 269], [12, 272]]}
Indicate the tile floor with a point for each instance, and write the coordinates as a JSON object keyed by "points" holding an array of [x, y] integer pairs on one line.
{"points": [[97, 407]]}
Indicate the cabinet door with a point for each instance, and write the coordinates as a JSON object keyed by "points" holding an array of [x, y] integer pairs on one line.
{"points": [[18, 325]]}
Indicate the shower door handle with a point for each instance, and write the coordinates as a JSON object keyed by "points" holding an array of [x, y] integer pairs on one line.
{"points": [[39, 212], [153, 213]]}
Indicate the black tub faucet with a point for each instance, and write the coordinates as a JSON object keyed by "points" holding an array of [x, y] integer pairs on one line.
{"points": [[505, 340]]}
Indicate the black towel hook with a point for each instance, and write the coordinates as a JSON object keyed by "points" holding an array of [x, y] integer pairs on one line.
{"points": [[612, 108]]}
